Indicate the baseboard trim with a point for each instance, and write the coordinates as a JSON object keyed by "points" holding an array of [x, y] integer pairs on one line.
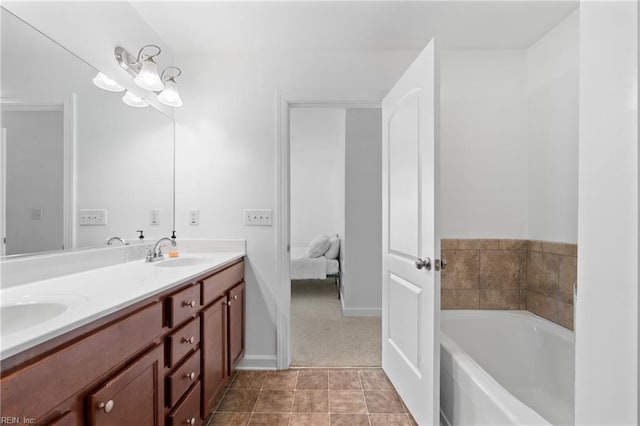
{"points": [[361, 312], [257, 362]]}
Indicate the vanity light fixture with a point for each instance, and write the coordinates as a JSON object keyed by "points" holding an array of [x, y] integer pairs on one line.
{"points": [[142, 67], [144, 70], [105, 83], [170, 95], [134, 100]]}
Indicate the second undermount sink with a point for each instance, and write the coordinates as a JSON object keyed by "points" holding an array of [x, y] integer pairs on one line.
{"points": [[19, 316], [181, 261]]}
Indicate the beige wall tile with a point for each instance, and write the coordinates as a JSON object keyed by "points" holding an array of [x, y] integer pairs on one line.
{"points": [[564, 249], [534, 245], [463, 269], [476, 244], [565, 318], [460, 299], [513, 244], [544, 306], [499, 299], [542, 273], [448, 244], [567, 276], [500, 269]]}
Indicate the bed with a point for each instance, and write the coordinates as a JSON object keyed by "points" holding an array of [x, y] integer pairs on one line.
{"points": [[316, 268]]}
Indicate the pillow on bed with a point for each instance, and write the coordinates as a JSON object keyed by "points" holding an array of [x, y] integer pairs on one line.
{"points": [[318, 246], [334, 248]]}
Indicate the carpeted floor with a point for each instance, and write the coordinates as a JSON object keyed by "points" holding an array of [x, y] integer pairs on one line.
{"points": [[322, 337]]}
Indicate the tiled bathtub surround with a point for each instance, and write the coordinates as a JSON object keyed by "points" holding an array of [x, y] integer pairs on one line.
{"points": [[510, 274]]}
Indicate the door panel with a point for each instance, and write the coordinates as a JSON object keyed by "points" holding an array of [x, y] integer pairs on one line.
{"points": [[403, 177], [411, 296]]}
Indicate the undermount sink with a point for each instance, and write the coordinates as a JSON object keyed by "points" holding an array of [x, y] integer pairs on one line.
{"points": [[181, 261], [23, 315]]}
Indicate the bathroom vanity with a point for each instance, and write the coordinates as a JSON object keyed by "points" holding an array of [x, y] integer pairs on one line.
{"points": [[158, 359]]}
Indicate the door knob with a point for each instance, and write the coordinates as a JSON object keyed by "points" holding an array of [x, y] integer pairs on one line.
{"points": [[424, 263]]}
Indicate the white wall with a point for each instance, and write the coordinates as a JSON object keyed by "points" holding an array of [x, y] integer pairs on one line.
{"points": [[363, 241], [509, 140], [34, 180], [483, 144], [226, 153], [317, 173], [607, 304], [552, 99]]}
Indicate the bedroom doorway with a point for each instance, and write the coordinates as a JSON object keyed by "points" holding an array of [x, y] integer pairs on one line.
{"points": [[335, 209]]}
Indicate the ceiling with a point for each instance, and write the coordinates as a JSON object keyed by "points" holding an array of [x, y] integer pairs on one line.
{"points": [[197, 27]]}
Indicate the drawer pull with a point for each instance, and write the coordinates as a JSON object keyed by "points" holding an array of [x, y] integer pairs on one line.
{"points": [[191, 304], [106, 407], [190, 376], [191, 421], [190, 340]]}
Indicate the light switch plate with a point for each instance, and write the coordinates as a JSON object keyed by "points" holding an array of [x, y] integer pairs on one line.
{"points": [[258, 217], [194, 217], [154, 218], [93, 217]]}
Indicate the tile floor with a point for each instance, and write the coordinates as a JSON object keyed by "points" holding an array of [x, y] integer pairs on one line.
{"points": [[312, 397]]}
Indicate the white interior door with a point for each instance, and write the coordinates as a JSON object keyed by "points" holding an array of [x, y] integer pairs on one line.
{"points": [[411, 296]]}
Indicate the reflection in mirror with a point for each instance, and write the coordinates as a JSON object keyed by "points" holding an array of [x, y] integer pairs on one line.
{"points": [[78, 166]]}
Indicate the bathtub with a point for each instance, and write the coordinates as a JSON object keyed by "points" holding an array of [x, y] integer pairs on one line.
{"points": [[505, 368]]}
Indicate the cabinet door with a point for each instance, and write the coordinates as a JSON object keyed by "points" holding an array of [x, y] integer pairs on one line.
{"points": [[214, 352], [236, 326], [132, 396]]}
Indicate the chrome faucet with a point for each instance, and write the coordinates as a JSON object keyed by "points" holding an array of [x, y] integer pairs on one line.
{"points": [[112, 239], [154, 254]]}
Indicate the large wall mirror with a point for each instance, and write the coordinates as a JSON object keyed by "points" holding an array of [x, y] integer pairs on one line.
{"points": [[73, 153]]}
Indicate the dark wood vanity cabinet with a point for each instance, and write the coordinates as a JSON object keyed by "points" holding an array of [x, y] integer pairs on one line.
{"points": [[214, 352], [132, 396], [236, 326], [162, 361]]}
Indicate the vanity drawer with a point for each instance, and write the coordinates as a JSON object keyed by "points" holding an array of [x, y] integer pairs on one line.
{"points": [[182, 341], [185, 375], [188, 412], [183, 305], [214, 286]]}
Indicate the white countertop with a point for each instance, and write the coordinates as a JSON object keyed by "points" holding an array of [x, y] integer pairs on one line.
{"points": [[93, 294]]}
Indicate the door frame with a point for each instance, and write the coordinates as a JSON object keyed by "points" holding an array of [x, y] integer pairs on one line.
{"points": [[68, 107], [285, 100]]}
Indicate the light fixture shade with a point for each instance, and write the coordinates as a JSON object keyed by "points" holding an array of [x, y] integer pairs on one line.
{"points": [[134, 101], [105, 83], [170, 95], [148, 77]]}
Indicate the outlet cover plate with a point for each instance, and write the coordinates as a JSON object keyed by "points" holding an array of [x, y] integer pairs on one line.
{"points": [[258, 217], [93, 217]]}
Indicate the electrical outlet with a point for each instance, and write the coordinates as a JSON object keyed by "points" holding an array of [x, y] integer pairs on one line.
{"points": [[93, 217], [194, 217], [155, 217], [258, 217]]}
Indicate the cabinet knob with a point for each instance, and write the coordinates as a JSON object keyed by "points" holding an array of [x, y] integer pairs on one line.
{"points": [[189, 304], [190, 376], [106, 406], [235, 297], [191, 421], [229, 303], [188, 340]]}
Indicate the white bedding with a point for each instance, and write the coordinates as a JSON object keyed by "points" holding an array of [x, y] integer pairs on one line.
{"points": [[305, 268]]}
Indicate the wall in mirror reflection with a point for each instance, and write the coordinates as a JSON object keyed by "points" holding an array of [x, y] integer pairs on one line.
{"points": [[70, 146]]}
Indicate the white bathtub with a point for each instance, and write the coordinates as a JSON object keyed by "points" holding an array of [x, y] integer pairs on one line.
{"points": [[505, 368]]}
